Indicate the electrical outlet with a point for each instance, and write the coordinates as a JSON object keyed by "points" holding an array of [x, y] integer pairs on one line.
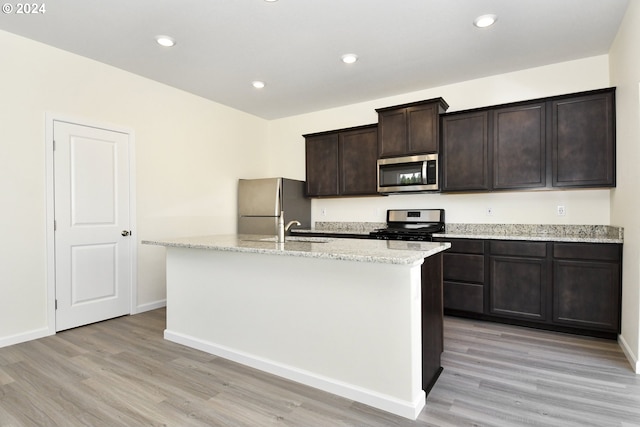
{"points": [[562, 211], [323, 211], [489, 211]]}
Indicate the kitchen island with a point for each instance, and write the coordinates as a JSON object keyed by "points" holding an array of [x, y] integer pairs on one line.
{"points": [[358, 318]]}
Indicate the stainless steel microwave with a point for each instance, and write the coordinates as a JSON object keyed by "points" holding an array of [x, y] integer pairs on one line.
{"points": [[407, 174]]}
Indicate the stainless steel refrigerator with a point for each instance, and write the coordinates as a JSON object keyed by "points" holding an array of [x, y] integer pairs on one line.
{"points": [[260, 202]]}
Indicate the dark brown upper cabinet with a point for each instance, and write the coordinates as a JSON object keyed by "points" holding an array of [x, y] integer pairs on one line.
{"points": [[321, 152], [410, 128], [465, 161], [342, 162], [519, 147], [584, 140], [563, 141], [358, 154]]}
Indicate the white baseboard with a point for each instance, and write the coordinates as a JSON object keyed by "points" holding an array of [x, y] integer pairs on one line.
{"points": [[150, 306], [45, 332], [632, 358], [387, 403], [24, 337]]}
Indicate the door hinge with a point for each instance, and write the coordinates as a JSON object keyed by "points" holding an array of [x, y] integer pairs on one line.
{"points": [[54, 145], [56, 304], [55, 225]]}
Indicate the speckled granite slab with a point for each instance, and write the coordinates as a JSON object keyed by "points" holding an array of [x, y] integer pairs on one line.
{"points": [[543, 232], [539, 232], [349, 227], [361, 250]]}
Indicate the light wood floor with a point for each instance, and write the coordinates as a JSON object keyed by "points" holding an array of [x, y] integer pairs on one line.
{"points": [[123, 373]]}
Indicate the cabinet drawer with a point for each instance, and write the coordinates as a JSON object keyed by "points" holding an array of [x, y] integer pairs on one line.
{"points": [[463, 267], [520, 249], [464, 296], [466, 246], [594, 251]]}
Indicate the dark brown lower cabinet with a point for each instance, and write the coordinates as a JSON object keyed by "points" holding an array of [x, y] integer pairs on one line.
{"points": [[566, 287], [518, 284], [462, 296], [587, 286], [518, 287], [464, 276], [432, 321]]}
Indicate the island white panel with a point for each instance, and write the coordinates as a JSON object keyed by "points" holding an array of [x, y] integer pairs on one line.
{"points": [[346, 327]]}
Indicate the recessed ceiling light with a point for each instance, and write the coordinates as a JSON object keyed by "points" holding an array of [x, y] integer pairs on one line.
{"points": [[165, 41], [257, 84], [485, 21], [349, 58]]}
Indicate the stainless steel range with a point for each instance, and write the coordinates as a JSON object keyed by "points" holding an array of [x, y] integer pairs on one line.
{"points": [[411, 224]]}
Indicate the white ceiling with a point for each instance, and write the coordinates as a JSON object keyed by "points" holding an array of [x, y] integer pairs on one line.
{"points": [[295, 45]]}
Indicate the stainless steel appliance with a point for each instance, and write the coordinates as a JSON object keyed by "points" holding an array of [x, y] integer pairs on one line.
{"points": [[406, 174], [261, 201], [411, 224]]}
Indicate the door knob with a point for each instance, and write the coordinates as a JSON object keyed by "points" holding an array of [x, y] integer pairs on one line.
{"points": [[125, 233]]}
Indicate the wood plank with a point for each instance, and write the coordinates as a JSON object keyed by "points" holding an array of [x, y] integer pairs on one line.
{"points": [[122, 372]]}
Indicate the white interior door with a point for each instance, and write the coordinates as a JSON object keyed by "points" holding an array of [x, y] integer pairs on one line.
{"points": [[93, 260]]}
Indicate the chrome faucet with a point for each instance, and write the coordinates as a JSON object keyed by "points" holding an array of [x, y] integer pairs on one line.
{"points": [[282, 229], [292, 223]]}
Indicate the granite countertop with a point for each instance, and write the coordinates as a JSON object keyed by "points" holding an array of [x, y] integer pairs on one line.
{"points": [[362, 250], [536, 232], [328, 231], [533, 232], [341, 228]]}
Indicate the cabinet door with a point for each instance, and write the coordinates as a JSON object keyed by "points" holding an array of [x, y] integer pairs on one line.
{"points": [[432, 318], [410, 128], [518, 287], [358, 156], [519, 147], [322, 165], [587, 285], [583, 138], [465, 145], [587, 294], [392, 137], [422, 124]]}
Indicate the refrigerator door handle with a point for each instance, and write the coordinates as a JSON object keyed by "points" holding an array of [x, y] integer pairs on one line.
{"points": [[279, 198]]}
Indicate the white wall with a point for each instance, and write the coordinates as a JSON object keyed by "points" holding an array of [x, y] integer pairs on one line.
{"points": [[189, 152], [625, 203], [583, 206]]}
